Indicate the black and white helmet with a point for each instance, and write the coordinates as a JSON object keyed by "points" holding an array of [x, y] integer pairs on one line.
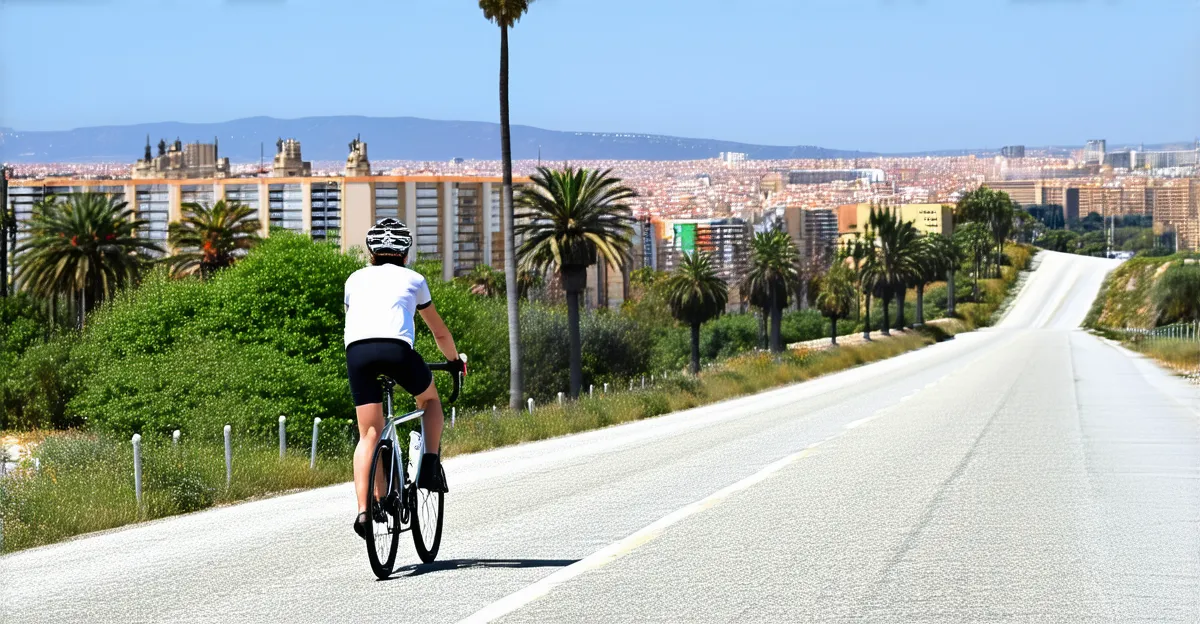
{"points": [[389, 237]]}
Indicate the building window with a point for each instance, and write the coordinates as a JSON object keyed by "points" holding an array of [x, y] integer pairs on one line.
{"points": [[286, 206]]}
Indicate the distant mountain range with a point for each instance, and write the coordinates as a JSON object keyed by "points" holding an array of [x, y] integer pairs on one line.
{"points": [[409, 138], [387, 138]]}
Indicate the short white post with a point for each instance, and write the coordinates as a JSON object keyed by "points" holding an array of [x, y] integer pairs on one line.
{"points": [[560, 398], [137, 467], [453, 415], [643, 381], [312, 461], [590, 389], [228, 456], [606, 388], [282, 436], [175, 437], [493, 410], [631, 385], [530, 405], [652, 379]]}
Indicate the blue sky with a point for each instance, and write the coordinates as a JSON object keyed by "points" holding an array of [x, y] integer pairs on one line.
{"points": [[886, 75]]}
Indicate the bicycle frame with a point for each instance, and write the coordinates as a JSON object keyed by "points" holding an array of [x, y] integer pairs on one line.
{"points": [[390, 421]]}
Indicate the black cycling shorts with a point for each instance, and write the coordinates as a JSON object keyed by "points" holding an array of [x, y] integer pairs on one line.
{"points": [[366, 360]]}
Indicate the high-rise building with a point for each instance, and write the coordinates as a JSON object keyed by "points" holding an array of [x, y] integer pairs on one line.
{"points": [[726, 240], [815, 231], [730, 158], [1013, 151], [1093, 152], [929, 218]]}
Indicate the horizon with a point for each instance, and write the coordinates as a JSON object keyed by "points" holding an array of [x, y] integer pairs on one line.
{"points": [[722, 73]]}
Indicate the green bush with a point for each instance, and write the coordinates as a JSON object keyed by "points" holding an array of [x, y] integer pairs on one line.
{"points": [[37, 388], [613, 346]]}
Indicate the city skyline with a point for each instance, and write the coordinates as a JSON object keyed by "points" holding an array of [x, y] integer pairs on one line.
{"points": [[877, 75]]}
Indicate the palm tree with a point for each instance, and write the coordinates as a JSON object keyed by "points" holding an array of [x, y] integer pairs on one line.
{"points": [[695, 294], [774, 273], [895, 261], [505, 14], [975, 240], [933, 260], [863, 252], [527, 282], [574, 217], [484, 280], [83, 248], [210, 238], [836, 296]]}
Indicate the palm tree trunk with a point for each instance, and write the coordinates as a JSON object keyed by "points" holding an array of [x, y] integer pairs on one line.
{"points": [[776, 321], [950, 293], [975, 285], [762, 329], [515, 386], [82, 308], [695, 348], [574, 282], [920, 304], [833, 330], [867, 317], [886, 326], [901, 293]]}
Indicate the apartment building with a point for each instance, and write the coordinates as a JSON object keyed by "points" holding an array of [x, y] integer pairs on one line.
{"points": [[853, 219]]}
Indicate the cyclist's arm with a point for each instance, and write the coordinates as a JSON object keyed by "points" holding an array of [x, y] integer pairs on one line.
{"points": [[441, 334]]}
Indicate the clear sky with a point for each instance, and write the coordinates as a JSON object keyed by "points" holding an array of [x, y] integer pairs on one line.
{"points": [[879, 75]]}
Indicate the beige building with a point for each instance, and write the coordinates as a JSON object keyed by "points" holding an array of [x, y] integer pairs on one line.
{"points": [[929, 218], [178, 161]]}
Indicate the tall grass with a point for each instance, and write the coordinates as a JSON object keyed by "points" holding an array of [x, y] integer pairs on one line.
{"points": [[85, 483], [1181, 355], [736, 377]]}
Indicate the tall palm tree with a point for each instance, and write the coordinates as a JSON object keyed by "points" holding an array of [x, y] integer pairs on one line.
{"points": [[695, 294], [974, 239], [83, 248], [505, 14], [573, 217], [773, 275], [210, 238], [836, 297]]}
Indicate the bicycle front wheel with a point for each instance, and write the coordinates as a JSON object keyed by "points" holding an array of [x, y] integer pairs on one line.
{"points": [[427, 521], [383, 509]]}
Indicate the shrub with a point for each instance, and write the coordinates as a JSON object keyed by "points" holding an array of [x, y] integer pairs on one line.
{"points": [[614, 349], [1176, 294]]}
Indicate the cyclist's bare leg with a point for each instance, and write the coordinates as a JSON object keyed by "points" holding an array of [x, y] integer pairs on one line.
{"points": [[370, 426], [432, 420]]}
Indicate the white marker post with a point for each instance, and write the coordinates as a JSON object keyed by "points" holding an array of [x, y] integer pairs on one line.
{"points": [[530, 405], [453, 415], [643, 382], [282, 436], [560, 398], [606, 388], [175, 437], [137, 468], [590, 389], [312, 462], [228, 456]]}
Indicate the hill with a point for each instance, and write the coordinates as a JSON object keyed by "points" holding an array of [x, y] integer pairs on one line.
{"points": [[399, 138]]}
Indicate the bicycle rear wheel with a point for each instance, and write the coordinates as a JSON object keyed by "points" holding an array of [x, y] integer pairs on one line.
{"points": [[427, 510], [383, 510]]}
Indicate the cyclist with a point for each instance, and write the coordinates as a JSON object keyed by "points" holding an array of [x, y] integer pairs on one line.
{"points": [[381, 300]]}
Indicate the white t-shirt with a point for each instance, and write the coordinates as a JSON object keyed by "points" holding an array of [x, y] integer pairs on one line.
{"points": [[381, 301]]}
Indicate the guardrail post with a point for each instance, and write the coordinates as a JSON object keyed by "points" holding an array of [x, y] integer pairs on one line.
{"points": [[643, 381], [606, 388], [530, 405], [453, 414], [312, 461], [560, 398], [590, 389], [137, 468], [175, 437], [631, 385], [282, 436], [228, 456]]}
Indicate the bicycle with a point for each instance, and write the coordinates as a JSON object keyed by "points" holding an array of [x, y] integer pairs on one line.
{"points": [[403, 506]]}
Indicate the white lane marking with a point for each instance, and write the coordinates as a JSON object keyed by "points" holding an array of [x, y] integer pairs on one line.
{"points": [[619, 549], [860, 422]]}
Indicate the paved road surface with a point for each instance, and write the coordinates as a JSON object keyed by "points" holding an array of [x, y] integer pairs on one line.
{"points": [[1030, 472]]}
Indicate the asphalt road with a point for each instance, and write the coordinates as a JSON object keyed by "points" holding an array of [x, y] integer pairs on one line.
{"points": [[1030, 472]]}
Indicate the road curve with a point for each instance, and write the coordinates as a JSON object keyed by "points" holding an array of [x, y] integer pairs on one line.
{"points": [[1030, 472]]}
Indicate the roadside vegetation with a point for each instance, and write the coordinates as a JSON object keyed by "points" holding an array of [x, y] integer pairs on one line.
{"points": [[1152, 305], [233, 330]]}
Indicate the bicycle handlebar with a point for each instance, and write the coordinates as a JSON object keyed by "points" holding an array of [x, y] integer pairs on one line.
{"points": [[456, 369]]}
